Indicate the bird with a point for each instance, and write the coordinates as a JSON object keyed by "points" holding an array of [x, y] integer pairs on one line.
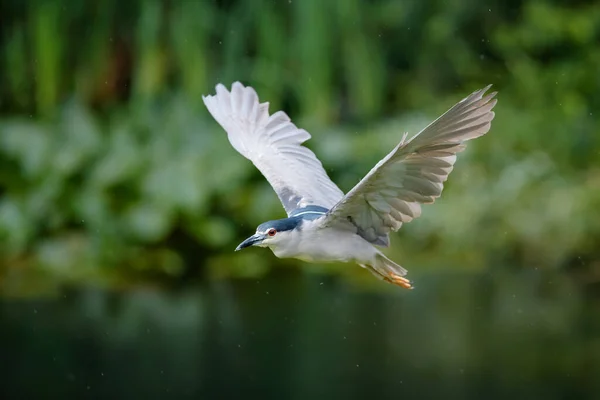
{"points": [[323, 224]]}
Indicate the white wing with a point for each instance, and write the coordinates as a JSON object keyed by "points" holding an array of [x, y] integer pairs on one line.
{"points": [[413, 173], [274, 144]]}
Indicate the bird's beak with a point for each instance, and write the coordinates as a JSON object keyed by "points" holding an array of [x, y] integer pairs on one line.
{"points": [[251, 241]]}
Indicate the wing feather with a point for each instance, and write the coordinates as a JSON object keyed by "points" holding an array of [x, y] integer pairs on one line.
{"points": [[274, 145], [414, 172]]}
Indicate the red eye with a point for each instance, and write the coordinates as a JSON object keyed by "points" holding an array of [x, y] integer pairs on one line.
{"points": [[271, 232]]}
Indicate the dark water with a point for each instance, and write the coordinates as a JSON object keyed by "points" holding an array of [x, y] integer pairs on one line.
{"points": [[302, 336]]}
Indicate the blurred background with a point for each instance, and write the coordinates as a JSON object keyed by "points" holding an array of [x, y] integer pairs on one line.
{"points": [[121, 201]]}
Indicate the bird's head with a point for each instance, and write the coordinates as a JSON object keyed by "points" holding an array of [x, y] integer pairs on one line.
{"points": [[272, 233]]}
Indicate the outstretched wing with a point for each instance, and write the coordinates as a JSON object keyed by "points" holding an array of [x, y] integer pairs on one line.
{"points": [[413, 173], [274, 144]]}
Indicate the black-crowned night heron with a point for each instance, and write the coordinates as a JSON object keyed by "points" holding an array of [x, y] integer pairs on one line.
{"points": [[323, 224]]}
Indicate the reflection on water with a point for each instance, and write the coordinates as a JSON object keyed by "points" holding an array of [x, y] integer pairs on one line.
{"points": [[300, 336]]}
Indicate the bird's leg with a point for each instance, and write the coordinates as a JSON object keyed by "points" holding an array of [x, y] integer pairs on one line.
{"points": [[398, 280], [389, 276]]}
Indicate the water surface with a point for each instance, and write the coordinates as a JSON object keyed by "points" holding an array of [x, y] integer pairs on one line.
{"points": [[300, 336]]}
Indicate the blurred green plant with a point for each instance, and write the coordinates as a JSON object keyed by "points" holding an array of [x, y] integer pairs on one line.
{"points": [[109, 157]]}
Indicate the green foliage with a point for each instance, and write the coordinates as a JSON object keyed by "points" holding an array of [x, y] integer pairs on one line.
{"points": [[109, 157]]}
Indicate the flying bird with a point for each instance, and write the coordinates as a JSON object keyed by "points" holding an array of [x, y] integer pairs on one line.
{"points": [[323, 224]]}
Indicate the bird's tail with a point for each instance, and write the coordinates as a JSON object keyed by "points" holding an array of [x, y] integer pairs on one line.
{"points": [[387, 270]]}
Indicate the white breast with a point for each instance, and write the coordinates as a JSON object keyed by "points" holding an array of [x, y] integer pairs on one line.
{"points": [[324, 244]]}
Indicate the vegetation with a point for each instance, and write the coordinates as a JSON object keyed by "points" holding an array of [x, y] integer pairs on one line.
{"points": [[109, 158]]}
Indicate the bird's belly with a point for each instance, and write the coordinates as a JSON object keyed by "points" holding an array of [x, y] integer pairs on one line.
{"points": [[331, 247]]}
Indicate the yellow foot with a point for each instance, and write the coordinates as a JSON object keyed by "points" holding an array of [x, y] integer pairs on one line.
{"points": [[399, 280]]}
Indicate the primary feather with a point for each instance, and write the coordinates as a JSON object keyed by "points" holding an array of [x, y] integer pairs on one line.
{"points": [[413, 173], [274, 145]]}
